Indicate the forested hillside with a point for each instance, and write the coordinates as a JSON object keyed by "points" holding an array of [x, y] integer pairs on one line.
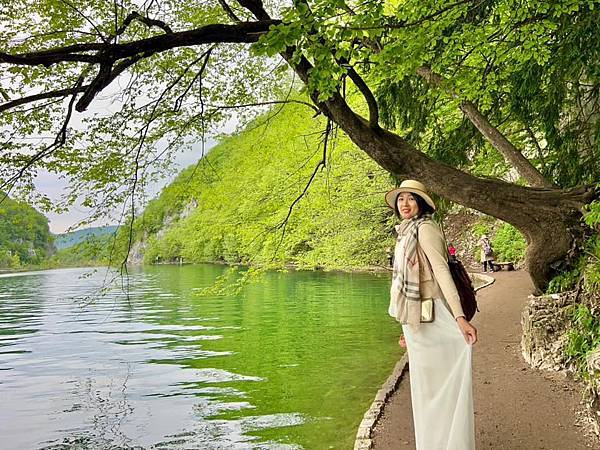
{"points": [[25, 238], [232, 206], [66, 240]]}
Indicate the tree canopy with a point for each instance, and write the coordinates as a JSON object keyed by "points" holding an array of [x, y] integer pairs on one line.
{"points": [[442, 84]]}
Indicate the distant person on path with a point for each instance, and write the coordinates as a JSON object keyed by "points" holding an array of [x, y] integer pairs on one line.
{"points": [[487, 253], [439, 352]]}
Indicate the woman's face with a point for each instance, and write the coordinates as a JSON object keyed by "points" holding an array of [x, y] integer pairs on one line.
{"points": [[407, 205]]}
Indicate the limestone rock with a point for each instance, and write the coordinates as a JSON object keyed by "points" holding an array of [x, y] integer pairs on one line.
{"points": [[546, 324]]}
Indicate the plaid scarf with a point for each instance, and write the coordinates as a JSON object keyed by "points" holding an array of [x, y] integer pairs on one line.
{"points": [[405, 296]]}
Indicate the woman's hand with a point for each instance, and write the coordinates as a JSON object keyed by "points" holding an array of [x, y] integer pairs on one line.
{"points": [[402, 342], [468, 330]]}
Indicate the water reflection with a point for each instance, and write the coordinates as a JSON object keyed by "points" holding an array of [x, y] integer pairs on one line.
{"points": [[289, 363]]}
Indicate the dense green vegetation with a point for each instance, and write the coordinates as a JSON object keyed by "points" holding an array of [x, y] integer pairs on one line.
{"points": [[508, 243], [25, 238], [583, 335], [95, 250], [229, 207], [26, 241], [586, 273], [243, 191]]}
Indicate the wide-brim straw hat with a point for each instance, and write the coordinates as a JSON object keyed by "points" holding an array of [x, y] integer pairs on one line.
{"points": [[412, 186]]}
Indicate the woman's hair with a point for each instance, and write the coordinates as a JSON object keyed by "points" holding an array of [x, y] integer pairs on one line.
{"points": [[424, 207]]}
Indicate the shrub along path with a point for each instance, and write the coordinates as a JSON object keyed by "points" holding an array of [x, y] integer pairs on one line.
{"points": [[516, 407]]}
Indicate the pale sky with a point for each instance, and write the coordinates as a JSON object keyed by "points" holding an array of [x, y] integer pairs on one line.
{"points": [[106, 103], [52, 186]]}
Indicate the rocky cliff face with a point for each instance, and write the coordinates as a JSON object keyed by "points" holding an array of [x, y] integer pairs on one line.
{"points": [[138, 248], [547, 322]]}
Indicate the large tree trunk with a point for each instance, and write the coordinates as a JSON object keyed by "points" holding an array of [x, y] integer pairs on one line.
{"points": [[549, 218]]}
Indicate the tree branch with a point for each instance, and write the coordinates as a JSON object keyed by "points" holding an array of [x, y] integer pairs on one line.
{"points": [[106, 74], [229, 11], [368, 95], [42, 96], [272, 102], [107, 54], [59, 141], [512, 155], [206, 57], [86, 18], [244, 32], [535, 142], [145, 20], [320, 165]]}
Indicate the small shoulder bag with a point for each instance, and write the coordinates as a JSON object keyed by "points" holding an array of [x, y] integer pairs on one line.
{"points": [[427, 310]]}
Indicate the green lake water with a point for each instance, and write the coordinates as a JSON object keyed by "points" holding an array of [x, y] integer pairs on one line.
{"points": [[293, 361]]}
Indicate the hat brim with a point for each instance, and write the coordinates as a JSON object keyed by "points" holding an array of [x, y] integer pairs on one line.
{"points": [[391, 196]]}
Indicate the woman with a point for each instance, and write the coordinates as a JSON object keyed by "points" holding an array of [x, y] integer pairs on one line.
{"points": [[487, 253], [439, 352]]}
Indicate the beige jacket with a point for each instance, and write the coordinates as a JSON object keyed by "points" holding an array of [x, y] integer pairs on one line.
{"points": [[435, 280]]}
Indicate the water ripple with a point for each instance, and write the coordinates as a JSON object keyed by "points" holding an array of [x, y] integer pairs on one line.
{"points": [[161, 368]]}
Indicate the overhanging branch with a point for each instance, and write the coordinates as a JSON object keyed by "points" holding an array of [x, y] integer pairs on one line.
{"points": [[113, 59], [512, 155], [42, 96], [229, 11], [272, 102], [367, 94], [105, 76], [59, 141], [145, 20], [243, 32]]}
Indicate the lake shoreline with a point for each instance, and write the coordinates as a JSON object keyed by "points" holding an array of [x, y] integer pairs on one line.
{"points": [[286, 266], [372, 269]]}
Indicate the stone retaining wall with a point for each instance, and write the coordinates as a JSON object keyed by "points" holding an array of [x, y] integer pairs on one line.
{"points": [[546, 323], [365, 429]]}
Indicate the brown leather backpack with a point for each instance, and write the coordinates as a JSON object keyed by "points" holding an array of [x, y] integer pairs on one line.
{"points": [[464, 286], [463, 283]]}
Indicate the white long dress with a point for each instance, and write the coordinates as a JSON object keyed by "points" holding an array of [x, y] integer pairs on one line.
{"points": [[441, 385]]}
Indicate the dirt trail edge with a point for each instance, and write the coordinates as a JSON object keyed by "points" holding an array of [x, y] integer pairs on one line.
{"points": [[516, 407]]}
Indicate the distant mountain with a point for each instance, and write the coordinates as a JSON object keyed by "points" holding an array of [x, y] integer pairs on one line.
{"points": [[66, 240]]}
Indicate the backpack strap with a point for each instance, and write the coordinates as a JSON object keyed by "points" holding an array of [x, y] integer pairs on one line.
{"points": [[445, 241], [420, 252]]}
